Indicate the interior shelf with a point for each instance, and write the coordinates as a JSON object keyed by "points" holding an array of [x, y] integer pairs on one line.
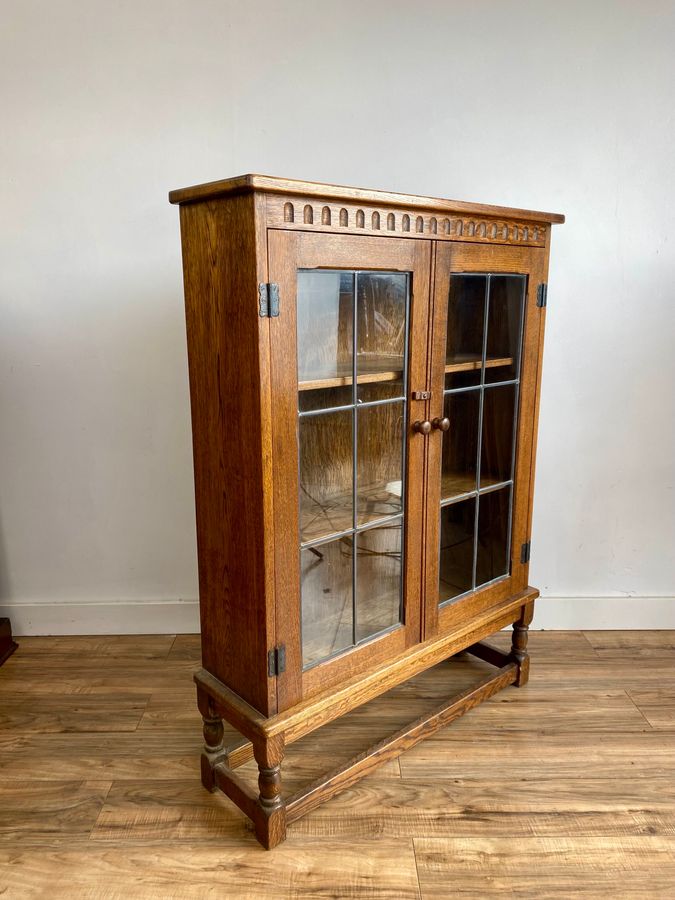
{"points": [[334, 514], [370, 369], [469, 363], [455, 483], [346, 378]]}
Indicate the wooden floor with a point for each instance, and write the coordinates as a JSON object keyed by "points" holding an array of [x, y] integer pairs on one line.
{"points": [[565, 788]]}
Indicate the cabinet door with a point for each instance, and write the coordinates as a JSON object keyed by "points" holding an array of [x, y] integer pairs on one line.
{"points": [[348, 350], [485, 353]]}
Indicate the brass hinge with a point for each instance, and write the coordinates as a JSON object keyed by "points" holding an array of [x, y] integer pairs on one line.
{"points": [[525, 552], [268, 300], [542, 292], [276, 661]]}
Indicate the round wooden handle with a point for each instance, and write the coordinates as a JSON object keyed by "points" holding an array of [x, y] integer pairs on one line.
{"points": [[422, 427], [442, 424]]}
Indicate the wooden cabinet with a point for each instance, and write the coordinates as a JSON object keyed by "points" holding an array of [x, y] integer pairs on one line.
{"points": [[364, 376]]}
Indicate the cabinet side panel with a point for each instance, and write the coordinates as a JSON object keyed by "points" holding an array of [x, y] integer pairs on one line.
{"points": [[223, 325]]}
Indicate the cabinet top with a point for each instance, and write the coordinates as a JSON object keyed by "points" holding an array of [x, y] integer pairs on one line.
{"points": [[267, 184]]}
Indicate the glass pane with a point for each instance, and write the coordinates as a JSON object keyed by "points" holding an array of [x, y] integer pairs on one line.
{"points": [[456, 562], [493, 525], [381, 334], [460, 444], [505, 322], [352, 352], [378, 579], [326, 488], [380, 462], [326, 588], [325, 308], [496, 456], [466, 318]]}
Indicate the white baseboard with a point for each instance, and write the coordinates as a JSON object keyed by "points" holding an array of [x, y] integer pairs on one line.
{"points": [[114, 617], [182, 616], [604, 613]]}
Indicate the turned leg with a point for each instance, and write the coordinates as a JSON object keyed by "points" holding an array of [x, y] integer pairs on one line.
{"points": [[270, 828], [213, 739], [519, 644]]}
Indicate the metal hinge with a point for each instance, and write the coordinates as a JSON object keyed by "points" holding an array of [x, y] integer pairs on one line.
{"points": [[542, 292], [525, 552], [268, 300], [276, 661]]}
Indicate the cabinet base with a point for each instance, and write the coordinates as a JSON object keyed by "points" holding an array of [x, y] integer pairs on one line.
{"points": [[7, 645], [265, 738]]}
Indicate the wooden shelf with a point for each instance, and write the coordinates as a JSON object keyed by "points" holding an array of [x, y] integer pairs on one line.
{"points": [[314, 384], [473, 362], [453, 484], [370, 370], [334, 514], [310, 383]]}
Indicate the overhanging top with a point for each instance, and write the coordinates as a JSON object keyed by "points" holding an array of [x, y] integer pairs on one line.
{"points": [[243, 184]]}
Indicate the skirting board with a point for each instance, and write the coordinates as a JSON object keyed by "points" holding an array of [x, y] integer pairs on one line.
{"points": [[182, 616]]}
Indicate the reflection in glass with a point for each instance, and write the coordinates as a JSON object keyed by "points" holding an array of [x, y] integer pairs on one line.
{"points": [[466, 318], [352, 372], [325, 309], [460, 443], [379, 454], [456, 554], [326, 493], [505, 322], [496, 455], [380, 334], [326, 586], [493, 526], [378, 579]]}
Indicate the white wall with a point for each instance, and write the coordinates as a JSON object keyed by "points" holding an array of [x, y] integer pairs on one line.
{"points": [[106, 106]]}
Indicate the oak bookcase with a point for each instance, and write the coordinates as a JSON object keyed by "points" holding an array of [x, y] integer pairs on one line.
{"points": [[364, 376]]}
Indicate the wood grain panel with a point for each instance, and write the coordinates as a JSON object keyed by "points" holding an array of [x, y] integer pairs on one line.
{"points": [[226, 337], [271, 185]]}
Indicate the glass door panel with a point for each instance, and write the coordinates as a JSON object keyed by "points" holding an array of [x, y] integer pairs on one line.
{"points": [[352, 339], [482, 381]]}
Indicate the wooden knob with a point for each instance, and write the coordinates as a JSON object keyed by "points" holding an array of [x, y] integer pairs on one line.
{"points": [[422, 427], [442, 424]]}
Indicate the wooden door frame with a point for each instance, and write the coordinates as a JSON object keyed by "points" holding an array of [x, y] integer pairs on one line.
{"points": [[458, 257], [287, 252]]}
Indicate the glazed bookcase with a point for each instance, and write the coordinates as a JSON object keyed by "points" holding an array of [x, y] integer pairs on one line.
{"points": [[364, 376]]}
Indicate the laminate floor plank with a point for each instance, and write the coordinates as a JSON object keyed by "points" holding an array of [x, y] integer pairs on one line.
{"points": [[187, 647], [31, 811], [656, 705], [650, 644], [563, 788], [470, 750], [59, 713], [113, 755], [222, 870], [551, 867], [497, 806], [87, 676], [69, 648]]}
